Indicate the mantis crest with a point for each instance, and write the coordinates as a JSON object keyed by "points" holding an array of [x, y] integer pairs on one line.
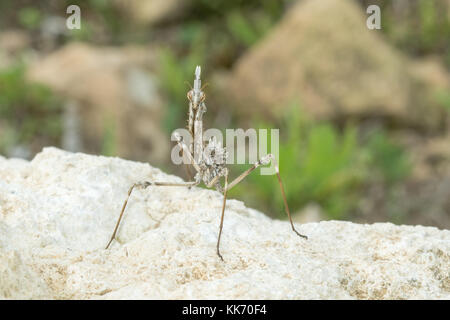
{"points": [[208, 160]]}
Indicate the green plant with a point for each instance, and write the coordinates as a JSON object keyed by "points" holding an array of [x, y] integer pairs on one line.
{"points": [[421, 27], [29, 17], [386, 159], [109, 139], [388, 166], [85, 33], [321, 164], [30, 112], [443, 98], [429, 30], [175, 71], [247, 31], [318, 164]]}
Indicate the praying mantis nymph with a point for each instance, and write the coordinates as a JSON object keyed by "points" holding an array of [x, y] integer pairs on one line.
{"points": [[208, 160]]}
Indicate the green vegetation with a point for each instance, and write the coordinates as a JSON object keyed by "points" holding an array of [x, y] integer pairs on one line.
{"points": [[387, 160], [28, 111], [109, 141], [211, 35], [425, 29], [29, 17], [443, 97], [83, 34], [173, 74], [321, 164]]}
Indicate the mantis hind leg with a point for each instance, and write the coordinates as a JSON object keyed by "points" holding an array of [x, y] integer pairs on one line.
{"points": [[144, 185], [264, 161]]}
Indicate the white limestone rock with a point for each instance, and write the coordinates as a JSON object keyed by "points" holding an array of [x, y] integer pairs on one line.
{"points": [[57, 213]]}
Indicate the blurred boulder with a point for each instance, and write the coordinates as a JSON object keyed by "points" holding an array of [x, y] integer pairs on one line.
{"points": [[323, 55], [310, 213], [13, 40], [149, 12], [118, 103], [12, 43], [431, 158]]}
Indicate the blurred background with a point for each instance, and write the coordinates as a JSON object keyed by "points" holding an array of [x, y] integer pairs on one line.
{"points": [[364, 115]]}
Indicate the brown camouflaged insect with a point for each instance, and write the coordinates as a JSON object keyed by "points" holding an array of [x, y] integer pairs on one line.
{"points": [[207, 159]]}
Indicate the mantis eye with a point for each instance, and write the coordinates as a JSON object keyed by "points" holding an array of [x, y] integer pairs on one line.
{"points": [[202, 97], [189, 95]]}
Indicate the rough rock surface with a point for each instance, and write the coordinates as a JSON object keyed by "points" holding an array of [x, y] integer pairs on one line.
{"points": [[57, 213]]}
